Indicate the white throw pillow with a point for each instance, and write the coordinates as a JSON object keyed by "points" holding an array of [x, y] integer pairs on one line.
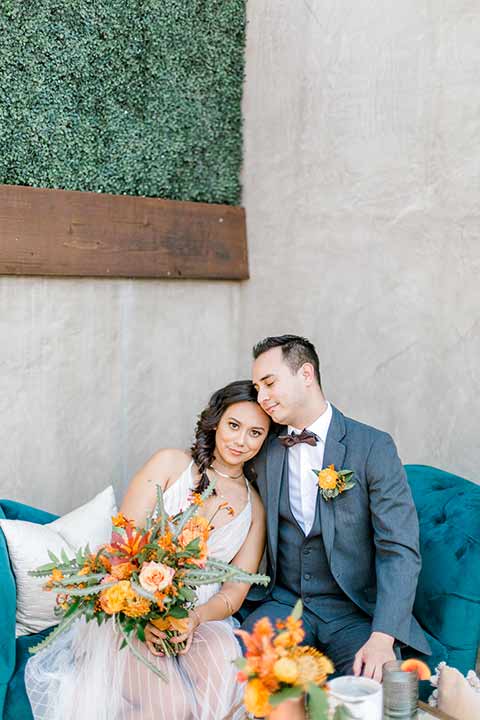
{"points": [[28, 546]]}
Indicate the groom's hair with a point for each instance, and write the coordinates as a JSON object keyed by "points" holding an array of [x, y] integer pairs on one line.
{"points": [[296, 351]]}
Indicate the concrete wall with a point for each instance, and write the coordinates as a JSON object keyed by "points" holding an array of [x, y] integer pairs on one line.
{"points": [[362, 186], [361, 183]]}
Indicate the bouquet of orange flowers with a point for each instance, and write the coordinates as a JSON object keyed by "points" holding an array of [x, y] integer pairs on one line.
{"points": [[277, 668], [142, 576]]}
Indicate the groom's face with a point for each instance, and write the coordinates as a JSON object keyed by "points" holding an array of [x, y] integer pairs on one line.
{"points": [[281, 392]]}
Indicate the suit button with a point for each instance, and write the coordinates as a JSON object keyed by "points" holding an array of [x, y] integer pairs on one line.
{"points": [[306, 551], [307, 598], [307, 576]]}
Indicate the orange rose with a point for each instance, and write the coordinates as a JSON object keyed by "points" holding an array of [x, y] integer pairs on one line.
{"points": [[112, 599], [256, 698], [57, 575], [328, 478], [155, 576]]}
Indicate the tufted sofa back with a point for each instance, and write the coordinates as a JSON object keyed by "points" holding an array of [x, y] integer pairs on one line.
{"points": [[447, 603]]}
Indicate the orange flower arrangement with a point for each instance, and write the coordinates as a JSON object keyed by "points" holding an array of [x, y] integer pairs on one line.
{"points": [[276, 668], [142, 575]]}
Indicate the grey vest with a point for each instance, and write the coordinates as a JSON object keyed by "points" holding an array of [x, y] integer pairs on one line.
{"points": [[302, 566]]}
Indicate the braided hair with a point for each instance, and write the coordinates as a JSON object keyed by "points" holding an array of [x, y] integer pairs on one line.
{"points": [[204, 442]]}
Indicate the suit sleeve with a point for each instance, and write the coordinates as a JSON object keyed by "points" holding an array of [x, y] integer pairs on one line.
{"points": [[396, 537]]}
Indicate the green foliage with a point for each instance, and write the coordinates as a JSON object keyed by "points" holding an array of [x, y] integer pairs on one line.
{"points": [[317, 703], [137, 97], [287, 693]]}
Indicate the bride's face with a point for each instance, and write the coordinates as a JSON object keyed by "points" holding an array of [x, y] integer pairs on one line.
{"points": [[240, 433]]}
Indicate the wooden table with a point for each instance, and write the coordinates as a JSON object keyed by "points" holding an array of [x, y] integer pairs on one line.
{"points": [[427, 712]]}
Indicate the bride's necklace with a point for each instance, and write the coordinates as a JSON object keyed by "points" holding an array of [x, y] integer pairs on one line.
{"points": [[225, 475]]}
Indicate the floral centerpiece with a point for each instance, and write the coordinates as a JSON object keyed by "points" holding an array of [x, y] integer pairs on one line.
{"points": [[141, 576], [277, 669]]}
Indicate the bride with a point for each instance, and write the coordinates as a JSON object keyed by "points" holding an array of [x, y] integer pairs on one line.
{"points": [[84, 674]]}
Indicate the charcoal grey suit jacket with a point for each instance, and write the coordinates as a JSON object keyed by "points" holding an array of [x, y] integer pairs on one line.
{"points": [[370, 532]]}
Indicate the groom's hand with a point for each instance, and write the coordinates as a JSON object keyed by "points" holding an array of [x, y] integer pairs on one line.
{"points": [[370, 658]]}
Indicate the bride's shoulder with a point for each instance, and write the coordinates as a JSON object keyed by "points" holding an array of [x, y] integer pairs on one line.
{"points": [[171, 462], [163, 469]]}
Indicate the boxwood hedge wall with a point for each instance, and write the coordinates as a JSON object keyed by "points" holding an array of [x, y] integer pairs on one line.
{"points": [[140, 97]]}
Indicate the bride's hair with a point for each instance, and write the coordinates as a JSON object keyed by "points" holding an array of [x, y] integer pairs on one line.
{"points": [[204, 443]]}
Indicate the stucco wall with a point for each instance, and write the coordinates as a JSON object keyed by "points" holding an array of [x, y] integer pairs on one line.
{"points": [[361, 183], [362, 186]]}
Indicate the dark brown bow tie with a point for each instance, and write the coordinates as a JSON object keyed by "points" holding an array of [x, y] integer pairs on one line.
{"points": [[306, 436]]}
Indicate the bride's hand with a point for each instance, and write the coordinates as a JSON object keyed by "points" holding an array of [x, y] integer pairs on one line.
{"points": [[152, 636], [187, 637]]}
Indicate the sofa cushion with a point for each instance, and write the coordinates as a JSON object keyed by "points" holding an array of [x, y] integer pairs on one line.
{"points": [[447, 603], [28, 546]]}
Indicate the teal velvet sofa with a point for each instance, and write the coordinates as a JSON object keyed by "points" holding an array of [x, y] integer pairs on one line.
{"points": [[448, 596], [447, 604], [14, 653]]}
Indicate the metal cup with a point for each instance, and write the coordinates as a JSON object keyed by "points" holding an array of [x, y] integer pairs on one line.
{"points": [[400, 692]]}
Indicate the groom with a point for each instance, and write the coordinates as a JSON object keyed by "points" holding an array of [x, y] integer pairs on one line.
{"points": [[354, 558]]}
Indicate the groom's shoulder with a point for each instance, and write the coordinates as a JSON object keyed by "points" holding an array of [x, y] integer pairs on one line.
{"points": [[358, 429]]}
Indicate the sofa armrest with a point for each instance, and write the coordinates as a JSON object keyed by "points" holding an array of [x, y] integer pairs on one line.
{"points": [[11, 510]]}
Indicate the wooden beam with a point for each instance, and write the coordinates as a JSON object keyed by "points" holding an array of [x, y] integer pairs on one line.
{"points": [[69, 233]]}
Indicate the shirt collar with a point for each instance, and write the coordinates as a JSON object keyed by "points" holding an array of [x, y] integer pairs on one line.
{"points": [[319, 426]]}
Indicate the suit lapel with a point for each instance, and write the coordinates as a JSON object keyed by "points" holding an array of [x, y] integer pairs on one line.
{"points": [[275, 467], [334, 454]]}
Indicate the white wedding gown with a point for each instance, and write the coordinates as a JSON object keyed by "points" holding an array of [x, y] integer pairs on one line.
{"points": [[84, 675]]}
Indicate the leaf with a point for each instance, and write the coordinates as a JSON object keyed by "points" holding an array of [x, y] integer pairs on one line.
{"points": [[342, 713], [178, 612], [193, 546], [72, 608], [90, 612], [240, 662], [141, 633], [64, 557], [58, 630], [287, 693], [297, 610], [53, 557], [139, 655], [317, 703], [100, 617], [77, 579], [141, 591], [91, 590], [187, 593]]}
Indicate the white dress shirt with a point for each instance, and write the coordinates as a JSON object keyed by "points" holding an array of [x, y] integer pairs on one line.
{"points": [[302, 458]]}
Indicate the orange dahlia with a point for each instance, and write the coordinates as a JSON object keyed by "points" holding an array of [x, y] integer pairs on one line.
{"points": [[122, 570], [112, 599], [136, 605]]}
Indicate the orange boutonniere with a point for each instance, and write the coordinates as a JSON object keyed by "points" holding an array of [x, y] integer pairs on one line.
{"points": [[332, 482]]}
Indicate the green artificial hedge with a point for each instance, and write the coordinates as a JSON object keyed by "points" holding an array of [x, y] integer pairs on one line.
{"points": [[131, 97]]}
